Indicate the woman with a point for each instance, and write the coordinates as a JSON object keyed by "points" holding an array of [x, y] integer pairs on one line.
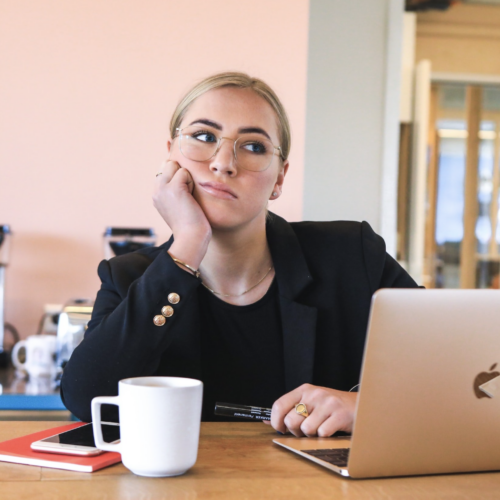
{"points": [[262, 311]]}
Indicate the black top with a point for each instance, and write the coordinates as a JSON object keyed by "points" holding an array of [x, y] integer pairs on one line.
{"points": [[241, 352], [326, 274]]}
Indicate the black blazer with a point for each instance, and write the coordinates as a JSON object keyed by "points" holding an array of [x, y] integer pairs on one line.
{"points": [[327, 273]]}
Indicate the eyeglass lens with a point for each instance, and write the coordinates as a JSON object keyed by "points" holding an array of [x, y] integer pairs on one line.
{"points": [[253, 152]]}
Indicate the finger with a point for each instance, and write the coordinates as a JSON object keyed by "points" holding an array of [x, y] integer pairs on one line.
{"points": [[168, 169], [283, 405], [294, 421], [182, 178], [336, 422], [161, 172], [268, 422], [310, 425]]}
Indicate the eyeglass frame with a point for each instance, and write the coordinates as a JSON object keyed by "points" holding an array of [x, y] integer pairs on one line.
{"points": [[217, 149]]}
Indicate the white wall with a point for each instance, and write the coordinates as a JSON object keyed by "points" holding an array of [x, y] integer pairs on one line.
{"points": [[86, 93], [352, 135]]}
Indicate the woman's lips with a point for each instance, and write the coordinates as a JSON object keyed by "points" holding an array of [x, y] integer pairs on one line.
{"points": [[218, 189]]}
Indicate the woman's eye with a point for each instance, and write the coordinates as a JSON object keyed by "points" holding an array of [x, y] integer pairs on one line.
{"points": [[255, 147], [205, 137]]}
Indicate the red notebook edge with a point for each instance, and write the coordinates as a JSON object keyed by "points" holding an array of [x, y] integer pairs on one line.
{"points": [[18, 451]]}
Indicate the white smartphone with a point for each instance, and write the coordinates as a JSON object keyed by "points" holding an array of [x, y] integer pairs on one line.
{"points": [[79, 441]]}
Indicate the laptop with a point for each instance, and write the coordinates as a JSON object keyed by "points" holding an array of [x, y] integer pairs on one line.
{"points": [[429, 398]]}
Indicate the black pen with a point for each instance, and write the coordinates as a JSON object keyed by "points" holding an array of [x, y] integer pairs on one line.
{"points": [[254, 413], [242, 411]]}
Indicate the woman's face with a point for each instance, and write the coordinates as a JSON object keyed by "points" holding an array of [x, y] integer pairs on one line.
{"points": [[229, 195]]}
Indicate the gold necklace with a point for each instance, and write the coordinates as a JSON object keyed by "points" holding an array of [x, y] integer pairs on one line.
{"points": [[239, 294]]}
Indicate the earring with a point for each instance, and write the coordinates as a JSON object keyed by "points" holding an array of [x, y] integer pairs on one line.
{"points": [[275, 194]]}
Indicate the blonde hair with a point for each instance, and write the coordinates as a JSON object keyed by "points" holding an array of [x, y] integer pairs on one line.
{"points": [[241, 81]]}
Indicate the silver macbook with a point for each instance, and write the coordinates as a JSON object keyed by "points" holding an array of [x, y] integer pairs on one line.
{"points": [[429, 399]]}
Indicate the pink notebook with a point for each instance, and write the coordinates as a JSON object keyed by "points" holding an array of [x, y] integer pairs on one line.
{"points": [[18, 451]]}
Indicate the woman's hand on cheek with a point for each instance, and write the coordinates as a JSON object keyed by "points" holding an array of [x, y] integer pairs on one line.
{"points": [[329, 411], [173, 198]]}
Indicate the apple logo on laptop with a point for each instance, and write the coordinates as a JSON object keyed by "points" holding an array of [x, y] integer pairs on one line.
{"points": [[482, 378]]}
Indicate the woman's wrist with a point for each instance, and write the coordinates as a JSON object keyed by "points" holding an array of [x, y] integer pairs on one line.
{"points": [[186, 267], [190, 252]]}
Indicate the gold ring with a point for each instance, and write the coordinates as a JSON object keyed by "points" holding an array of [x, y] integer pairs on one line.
{"points": [[301, 409], [159, 173]]}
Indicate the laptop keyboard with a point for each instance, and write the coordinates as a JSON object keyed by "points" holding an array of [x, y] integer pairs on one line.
{"points": [[335, 456]]}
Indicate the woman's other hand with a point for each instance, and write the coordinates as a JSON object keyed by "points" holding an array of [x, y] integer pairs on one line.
{"points": [[329, 411], [173, 198]]}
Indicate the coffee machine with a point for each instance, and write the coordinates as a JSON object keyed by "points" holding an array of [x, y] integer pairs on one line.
{"points": [[77, 312], [71, 327], [122, 240], [4, 260]]}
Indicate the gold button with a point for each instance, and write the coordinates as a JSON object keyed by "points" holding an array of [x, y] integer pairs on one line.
{"points": [[167, 311], [173, 298], [159, 320]]}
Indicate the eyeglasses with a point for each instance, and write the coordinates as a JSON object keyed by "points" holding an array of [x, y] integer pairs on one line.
{"points": [[251, 151]]}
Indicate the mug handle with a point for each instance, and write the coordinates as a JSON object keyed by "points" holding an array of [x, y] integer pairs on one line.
{"points": [[96, 422], [14, 357]]}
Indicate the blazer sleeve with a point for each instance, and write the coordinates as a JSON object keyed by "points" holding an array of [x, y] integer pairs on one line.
{"points": [[122, 340], [383, 271]]}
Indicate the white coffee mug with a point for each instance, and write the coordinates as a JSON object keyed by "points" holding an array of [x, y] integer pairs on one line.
{"points": [[40, 355], [159, 424]]}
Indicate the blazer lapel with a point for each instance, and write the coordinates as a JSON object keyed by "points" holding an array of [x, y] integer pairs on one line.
{"points": [[298, 320]]}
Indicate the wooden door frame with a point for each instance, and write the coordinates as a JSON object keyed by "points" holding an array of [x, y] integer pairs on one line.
{"points": [[469, 243]]}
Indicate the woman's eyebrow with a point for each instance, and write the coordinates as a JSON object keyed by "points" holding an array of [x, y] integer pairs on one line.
{"points": [[210, 123], [242, 130], [253, 130]]}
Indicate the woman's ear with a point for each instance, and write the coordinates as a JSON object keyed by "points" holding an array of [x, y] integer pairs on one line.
{"points": [[285, 168], [278, 186], [169, 145]]}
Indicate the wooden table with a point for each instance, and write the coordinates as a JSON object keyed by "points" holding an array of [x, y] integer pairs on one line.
{"points": [[235, 461]]}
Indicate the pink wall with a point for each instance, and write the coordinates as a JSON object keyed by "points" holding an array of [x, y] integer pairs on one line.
{"points": [[86, 93]]}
